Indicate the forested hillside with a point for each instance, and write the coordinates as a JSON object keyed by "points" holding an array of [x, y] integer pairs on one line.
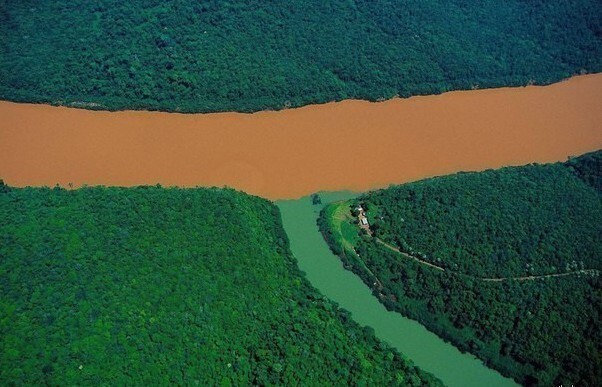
{"points": [[147, 286], [504, 263], [242, 55], [532, 220]]}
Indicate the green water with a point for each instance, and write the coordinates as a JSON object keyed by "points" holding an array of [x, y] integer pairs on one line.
{"points": [[325, 271]]}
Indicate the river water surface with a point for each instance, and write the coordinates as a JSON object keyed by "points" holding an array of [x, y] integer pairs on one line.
{"points": [[325, 272], [353, 145]]}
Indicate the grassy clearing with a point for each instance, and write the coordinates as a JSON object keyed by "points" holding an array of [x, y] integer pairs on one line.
{"points": [[344, 231]]}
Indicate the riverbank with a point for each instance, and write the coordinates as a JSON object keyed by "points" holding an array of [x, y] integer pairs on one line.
{"points": [[490, 261], [353, 145], [325, 272]]}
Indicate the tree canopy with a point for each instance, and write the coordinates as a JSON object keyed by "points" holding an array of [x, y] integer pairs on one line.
{"points": [[240, 55], [147, 285], [518, 259]]}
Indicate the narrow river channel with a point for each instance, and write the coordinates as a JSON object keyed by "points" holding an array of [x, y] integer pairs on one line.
{"points": [[325, 271]]}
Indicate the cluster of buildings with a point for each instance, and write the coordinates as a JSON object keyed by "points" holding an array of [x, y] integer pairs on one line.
{"points": [[362, 218]]}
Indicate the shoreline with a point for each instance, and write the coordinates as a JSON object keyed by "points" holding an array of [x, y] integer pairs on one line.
{"points": [[351, 145], [97, 107]]}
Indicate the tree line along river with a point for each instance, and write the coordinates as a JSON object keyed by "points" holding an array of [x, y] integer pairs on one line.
{"points": [[353, 145], [325, 271]]}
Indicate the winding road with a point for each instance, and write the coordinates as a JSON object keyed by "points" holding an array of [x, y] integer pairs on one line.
{"points": [[494, 279]]}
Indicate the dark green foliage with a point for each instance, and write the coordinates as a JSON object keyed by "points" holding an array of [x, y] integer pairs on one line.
{"points": [[315, 199], [531, 220], [111, 286], [240, 55], [588, 168]]}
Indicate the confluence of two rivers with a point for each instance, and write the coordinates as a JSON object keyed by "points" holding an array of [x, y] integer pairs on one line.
{"points": [[353, 145]]}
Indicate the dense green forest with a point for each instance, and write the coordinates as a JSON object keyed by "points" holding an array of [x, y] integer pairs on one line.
{"points": [[243, 55], [485, 230], [147, 286]]}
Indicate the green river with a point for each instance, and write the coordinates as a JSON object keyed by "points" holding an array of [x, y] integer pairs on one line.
{"points": [[325, 271]]}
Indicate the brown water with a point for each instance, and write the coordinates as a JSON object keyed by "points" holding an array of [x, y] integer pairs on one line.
{"points": [[354, 145]]}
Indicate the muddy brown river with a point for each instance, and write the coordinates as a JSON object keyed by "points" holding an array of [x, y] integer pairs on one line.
{"points": [[353, 145]]}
